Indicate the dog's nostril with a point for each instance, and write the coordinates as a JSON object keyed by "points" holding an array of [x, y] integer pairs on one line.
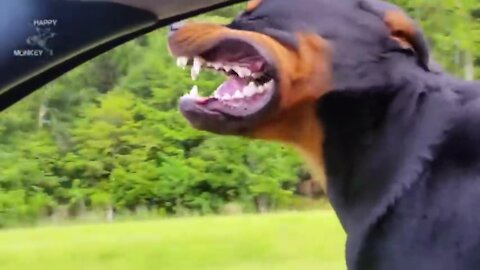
{"points": [[175, 27]]}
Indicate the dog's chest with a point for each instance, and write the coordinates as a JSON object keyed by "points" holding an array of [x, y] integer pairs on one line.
{"points": [[434, 226]]}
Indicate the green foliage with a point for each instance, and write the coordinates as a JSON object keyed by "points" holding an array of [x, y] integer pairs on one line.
{"points": [[108, 135]]}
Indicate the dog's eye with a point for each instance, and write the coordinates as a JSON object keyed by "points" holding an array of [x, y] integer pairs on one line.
{"points": [[250, 16], [248, 22], [256, 18]]}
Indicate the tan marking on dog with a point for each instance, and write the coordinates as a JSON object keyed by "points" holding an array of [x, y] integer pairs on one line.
{"points": [[252, 5], [402, 28], [305, 75]]}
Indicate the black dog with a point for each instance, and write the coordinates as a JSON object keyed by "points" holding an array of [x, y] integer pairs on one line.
{"points": [[350, 84]]}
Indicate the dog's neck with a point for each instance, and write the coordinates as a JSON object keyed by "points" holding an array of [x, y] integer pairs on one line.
{"points": [[378, 141], [381, 140]]}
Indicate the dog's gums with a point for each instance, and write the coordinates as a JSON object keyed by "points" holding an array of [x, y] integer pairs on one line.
{"points": [[265, 78], [250, 82]]}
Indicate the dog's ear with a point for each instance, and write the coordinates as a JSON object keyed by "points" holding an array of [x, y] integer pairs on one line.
{"points": [[402, 28]]}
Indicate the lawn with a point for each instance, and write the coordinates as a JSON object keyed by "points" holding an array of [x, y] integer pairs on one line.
{"points": [[309, 240]]}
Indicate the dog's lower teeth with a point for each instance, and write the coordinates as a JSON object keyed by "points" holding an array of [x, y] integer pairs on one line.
{"points": [[238, 94], [194, 91], [269, 85], [257, 85], [250, 90]]}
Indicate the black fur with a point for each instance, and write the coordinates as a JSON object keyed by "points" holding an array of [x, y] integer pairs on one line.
{"points": [[402, 145], [404, 171]]}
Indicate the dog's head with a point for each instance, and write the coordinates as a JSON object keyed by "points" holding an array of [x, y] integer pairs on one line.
{"points": [[281, 56]]}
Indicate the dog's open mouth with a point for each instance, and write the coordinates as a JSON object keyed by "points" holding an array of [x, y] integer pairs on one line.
{"points": [[250, 79]]}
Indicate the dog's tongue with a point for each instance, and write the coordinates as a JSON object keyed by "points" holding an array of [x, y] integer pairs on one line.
{"points": [[233, 84]]}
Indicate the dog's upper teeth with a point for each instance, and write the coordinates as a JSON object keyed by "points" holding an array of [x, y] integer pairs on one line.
{"points": [[227, 96], [238, 70], [227, 68], [196, 67], [257, 75], [247, 72], [242, 72], [182, 62]]}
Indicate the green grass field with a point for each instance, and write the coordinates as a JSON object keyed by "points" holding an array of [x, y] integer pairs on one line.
{"points": [[310, 240]]}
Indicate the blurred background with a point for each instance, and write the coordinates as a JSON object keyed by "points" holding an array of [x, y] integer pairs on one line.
{"points": [[100, 163]]}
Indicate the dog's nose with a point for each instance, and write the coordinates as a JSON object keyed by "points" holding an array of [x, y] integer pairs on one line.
{"points": [[175, 27]]}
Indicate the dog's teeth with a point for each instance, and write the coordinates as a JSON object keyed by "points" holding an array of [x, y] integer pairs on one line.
{"points": [[242, 72], [194, 73], [182, 62], [238, 70], [217, 66], [269, 85], [196, 67], [250, 89], [194, 91], [227, 68], [227, 96], [260, 89], [187, 95], [257, 75], [246, 72], [238, 95]]}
